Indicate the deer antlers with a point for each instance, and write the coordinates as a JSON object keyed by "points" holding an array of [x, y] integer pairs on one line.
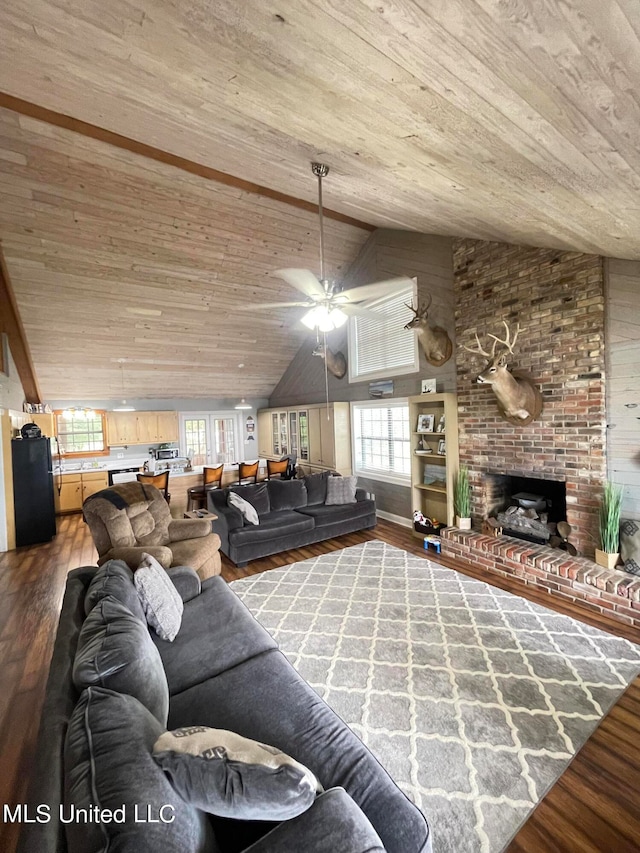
{"points": [[507, 342], [420, 311]]}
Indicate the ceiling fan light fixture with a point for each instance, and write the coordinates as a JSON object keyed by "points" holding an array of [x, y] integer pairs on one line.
{"points": [[310, 319], [338, 317]]}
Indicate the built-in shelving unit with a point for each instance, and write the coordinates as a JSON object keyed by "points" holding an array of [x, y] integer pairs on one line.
{"points": [[433, 474]]}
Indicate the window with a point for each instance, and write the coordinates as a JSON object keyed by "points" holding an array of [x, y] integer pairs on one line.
{"points": [[380, 347], [80, 432], [381, 440], [210, 438]]}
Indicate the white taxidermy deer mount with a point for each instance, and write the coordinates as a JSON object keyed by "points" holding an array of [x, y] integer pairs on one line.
{"points": [[519, 400], [434, 340], [335, 361]]}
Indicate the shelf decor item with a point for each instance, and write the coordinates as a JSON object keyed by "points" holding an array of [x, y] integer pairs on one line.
{"points": [[442, 447], [610, 506], [425, 423], [462, 499]]}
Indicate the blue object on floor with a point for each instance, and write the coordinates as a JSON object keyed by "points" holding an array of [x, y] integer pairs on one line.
{"points": [[432, 542]]}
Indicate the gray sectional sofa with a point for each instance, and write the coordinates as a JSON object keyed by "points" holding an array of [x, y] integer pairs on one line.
{"points": [[292, 513], [223, 670]]}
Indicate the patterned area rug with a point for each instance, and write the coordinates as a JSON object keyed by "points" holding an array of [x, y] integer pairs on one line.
{"points": [[473, 699]]}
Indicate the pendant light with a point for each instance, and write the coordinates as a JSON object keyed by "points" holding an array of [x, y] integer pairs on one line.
{"points": [[243, 405], [123, 407]]}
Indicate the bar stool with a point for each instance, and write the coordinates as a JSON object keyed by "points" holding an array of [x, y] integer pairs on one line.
{"points": [[248, 472], [160, 481], [197, 495], [277, 468]]}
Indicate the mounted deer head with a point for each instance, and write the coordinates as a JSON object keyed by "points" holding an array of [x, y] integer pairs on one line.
{"points": [[335, 361], [434, 340], [519, 400]]}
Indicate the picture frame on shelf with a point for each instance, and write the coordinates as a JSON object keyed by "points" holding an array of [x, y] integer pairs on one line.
{"points": [[428, 386], [442, 447], [425, 423]]}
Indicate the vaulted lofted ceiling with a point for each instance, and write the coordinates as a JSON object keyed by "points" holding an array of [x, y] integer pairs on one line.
{"points": [[513, 121]]}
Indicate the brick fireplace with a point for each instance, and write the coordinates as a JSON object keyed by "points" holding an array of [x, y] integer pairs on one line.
{"points": [[558, 300]]}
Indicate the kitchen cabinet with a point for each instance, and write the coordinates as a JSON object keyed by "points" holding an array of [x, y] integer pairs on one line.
{"points": [[433, 472], [76, 487], [321, 437], [124, 428]]}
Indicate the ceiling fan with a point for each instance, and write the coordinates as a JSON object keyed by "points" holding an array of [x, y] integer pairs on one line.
{"points": [[328, 307]]}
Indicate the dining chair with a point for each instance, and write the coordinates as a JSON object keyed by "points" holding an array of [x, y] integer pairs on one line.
{"points": [[160, 481], [277, 468], [211, 479], [248, 472]]}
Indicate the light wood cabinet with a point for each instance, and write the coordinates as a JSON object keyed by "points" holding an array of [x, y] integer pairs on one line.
{"points": [[433, 473], [92, 482], [124, 428], [75, 488], [321, 437]]}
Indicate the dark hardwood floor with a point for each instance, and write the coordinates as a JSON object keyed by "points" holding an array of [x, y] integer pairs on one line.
{"points": [[593, 808]]}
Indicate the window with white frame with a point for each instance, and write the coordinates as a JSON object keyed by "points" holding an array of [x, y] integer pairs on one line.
{"points": [[379, 345], [381, 440]]}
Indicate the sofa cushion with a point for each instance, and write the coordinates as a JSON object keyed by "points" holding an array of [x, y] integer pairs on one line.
{"points": [[114, 578], [341, 490], [257, 495], [316, 485], [115, 650], [630, 545], [108, 764], [273, 525], [249, 512], [160, 599], [231, 776], [325, 515], [217, 633], [286, 494], [293, 718]]}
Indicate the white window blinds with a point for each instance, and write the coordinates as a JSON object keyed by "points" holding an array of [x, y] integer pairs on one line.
{"points": [[381, 346]]}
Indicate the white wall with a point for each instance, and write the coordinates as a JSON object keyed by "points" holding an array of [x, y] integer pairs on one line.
{"points": [[622, 282]]}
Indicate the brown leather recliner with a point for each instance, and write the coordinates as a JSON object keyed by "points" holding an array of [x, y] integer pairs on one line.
{"points": [[130, 519]]}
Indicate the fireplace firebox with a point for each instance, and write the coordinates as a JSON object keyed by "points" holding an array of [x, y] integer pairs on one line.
{"points": [[526, 507]]}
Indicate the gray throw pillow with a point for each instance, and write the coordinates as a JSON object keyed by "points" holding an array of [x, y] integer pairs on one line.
{"points": [[341, 490], [316, 486], [286, 494], [630, 545], [248, 510], [231, 776], [161, 601], [114, 578], [108, 765], [115, 650], [257, 494]]}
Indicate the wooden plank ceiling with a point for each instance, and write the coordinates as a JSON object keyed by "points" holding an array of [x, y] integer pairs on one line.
{"points": [[512, 121]]}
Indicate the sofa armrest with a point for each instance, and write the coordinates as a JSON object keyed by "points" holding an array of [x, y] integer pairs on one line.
{"points": [[364, 495], [186, 581], [132, 555], [334, 822], [229, 518], [188, 528]]}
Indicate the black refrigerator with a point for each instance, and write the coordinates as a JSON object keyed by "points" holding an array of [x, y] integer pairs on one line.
{"points": [[35, 511]]}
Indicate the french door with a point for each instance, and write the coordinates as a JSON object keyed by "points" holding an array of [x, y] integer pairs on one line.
{"points": [[211, 438]]}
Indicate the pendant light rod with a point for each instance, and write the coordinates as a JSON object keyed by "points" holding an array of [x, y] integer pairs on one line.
{"points": [[321, 171]]}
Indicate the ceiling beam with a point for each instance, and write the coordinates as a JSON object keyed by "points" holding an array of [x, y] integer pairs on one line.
{"points": [[28, 108], [11, 323]]}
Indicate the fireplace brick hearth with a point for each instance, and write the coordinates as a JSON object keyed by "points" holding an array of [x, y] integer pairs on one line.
{"points": [[610, 591]]}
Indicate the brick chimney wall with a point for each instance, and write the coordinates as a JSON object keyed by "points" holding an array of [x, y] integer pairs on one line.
{"points": [[558, 299]]}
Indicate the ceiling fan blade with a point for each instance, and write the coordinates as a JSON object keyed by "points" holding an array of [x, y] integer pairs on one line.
{"points": [[303, 280], [373, 291], [252, 306], [358, 311]]}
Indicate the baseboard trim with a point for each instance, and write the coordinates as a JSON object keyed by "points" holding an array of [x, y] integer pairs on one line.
{"points": [[396, 519]]}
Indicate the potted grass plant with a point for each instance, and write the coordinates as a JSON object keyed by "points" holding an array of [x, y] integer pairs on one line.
{"points": [[610, 506], [462, 499]]}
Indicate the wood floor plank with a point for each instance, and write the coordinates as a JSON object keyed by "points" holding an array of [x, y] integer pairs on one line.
{"points": [[593, 808]]}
